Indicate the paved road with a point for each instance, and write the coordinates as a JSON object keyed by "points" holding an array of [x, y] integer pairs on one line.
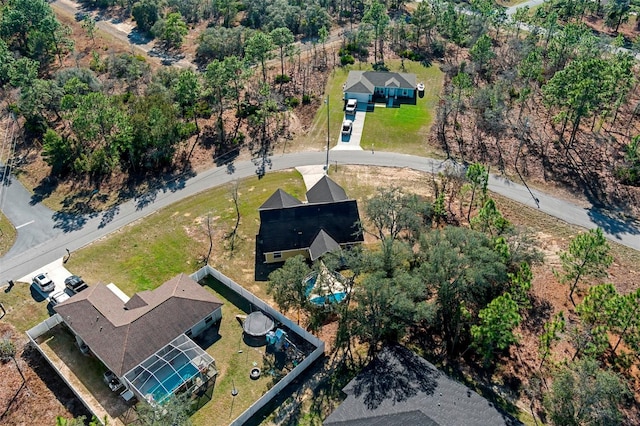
{"points": [[530, 3], [76, 232]]}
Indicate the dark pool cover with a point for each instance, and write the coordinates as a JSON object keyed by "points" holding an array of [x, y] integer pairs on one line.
{"points": [[257, 324]]}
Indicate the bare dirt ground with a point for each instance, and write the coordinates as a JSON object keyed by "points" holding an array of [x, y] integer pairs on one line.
{"points": [[44, 396]]}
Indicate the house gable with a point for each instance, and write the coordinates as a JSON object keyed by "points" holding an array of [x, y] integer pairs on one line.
{"points": [[123, 335], [326, 191], [287, 231], [368, 81]]}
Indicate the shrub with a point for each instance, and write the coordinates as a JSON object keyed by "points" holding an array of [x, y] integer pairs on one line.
{"points": [[306, 99], [282, 79], [437, 49], [292, 102], [347, 60]]}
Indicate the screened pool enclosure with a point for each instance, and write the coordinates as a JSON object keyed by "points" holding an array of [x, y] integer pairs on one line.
{"points": [[180, 366]]}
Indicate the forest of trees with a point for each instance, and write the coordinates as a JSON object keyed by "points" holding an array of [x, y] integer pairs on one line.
{"points": [[449, 276], [463, 292]]}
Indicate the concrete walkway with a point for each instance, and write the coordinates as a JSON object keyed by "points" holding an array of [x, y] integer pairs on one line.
{"points": [[352, 142], [311, 174]]}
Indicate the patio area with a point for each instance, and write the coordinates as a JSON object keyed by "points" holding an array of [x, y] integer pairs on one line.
{"points": [[85, 374]]}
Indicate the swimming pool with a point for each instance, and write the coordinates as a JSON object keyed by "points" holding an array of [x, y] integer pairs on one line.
{"points": [[330, 298], [172, 382]]}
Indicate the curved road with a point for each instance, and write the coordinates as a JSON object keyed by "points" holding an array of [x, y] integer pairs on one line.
{"points": [[54, 234]]}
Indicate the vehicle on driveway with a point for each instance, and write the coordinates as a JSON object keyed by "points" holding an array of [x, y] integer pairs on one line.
{"points": [[352, 105], [75, 283], [347, 127], [44, 283], [58, 297]]}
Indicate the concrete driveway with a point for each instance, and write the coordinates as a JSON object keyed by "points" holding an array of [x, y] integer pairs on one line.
{"points": [[55, 270], [352, 141]]}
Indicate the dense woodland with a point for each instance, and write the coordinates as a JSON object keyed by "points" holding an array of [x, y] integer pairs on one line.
{"points": [[551, 102]]}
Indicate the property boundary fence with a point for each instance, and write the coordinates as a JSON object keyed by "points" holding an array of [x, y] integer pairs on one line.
{"points": [[42, 328], [265, 307]]}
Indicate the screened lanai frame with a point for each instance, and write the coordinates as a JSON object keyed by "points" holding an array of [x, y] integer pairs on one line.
{"points": [[181, 365]]}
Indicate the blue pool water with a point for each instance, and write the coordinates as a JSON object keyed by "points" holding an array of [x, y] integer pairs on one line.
{"points": [[311, 282], [331, 298], [173, 382]]}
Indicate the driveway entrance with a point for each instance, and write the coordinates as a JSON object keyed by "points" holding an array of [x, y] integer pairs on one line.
{"points": [[352, 141]]}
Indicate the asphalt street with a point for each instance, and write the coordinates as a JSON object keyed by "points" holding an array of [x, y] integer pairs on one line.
{"points": [[49, 236]]}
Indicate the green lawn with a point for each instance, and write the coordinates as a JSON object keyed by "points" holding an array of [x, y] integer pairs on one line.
{"points": [[23, 311], [145, 254], [7, 234], [405, 135], [405, 129], [234, 359]]}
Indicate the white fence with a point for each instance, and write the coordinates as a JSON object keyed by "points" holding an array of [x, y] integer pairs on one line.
{"points": [[42, 328], [265, 307]]}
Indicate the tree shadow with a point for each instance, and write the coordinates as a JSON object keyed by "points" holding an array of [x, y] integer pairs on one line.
{"points": [[108, 215], [44, 190], [614, 222], [54, 383], [139, 37], [169, 182], [261, 157], [394, 376], [537, 315]]}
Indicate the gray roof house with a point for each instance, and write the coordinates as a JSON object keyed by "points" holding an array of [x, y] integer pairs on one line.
{"points": [[150, 332], [371, 86], [288, 227], [401, 388]]}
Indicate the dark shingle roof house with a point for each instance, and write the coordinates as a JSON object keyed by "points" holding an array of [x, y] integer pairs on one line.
{"points": [[124, 334], [368, 81], [288, 227], [401, 388]]}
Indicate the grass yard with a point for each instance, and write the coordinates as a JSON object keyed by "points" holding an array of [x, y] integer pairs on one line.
{"points": [[24, 306], [234, 359], [402, 130], [7, 235], [146, 254], [405, 129]]}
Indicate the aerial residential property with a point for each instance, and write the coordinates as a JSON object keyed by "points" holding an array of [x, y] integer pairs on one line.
{"points": [[146, 341], [392, 88], [350, 213], [328, 220]]}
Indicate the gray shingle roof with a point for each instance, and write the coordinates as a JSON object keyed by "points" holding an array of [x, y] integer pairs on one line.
{"points": [[326, 191], [123, 335], [322, 243], [367, 81], [398, 383], [280, 199]]}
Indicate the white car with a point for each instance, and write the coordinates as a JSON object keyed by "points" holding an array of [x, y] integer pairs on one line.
{"points": [[352, 105], [58, 297], [347, 127], [44, 283]]}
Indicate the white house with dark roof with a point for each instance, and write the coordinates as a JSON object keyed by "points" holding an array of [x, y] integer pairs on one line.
{"points": [[371, 86]]}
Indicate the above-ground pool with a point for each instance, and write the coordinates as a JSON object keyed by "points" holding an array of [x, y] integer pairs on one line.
{"points": [[330, 298], [325, 287]]}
